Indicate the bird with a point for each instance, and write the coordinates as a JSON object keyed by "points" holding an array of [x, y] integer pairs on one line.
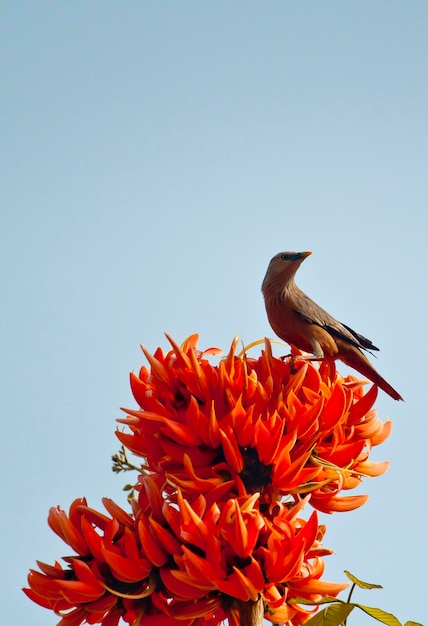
{"points": [[302, 323]]}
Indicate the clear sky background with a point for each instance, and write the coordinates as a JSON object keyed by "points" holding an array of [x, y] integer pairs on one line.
{"points": [[155, 155]]}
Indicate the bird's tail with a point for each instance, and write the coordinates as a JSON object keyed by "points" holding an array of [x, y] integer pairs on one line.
{"points": [[358, 361]]}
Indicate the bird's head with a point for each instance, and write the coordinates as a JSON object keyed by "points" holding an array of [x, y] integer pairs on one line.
{"points": [[282, 268], [286, 263]]}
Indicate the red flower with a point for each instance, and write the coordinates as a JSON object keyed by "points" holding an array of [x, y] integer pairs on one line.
{"points": [[231, 454], [253, 425], [110, 568], [191, 562]]}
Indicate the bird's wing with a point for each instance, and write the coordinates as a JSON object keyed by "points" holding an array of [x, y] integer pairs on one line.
{"points": [[312, 313], [363, 341]]}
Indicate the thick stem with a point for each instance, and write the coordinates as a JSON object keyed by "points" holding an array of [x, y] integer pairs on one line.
{"points": [[251, 613]]}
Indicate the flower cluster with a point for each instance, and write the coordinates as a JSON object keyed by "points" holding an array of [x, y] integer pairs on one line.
{"points": [[279, 427], [231, 453], [187, 562]]}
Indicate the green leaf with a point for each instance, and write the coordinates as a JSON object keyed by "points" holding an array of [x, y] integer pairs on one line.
{"points": [[325, 600], [331, 616], [361, 583], [381, 616]]}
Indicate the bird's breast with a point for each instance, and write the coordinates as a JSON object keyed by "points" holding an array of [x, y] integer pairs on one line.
{"points": [[291, 327], [287, 324]]}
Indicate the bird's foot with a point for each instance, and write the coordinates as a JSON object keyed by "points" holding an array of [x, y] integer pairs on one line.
{"points": [[302, 357]]}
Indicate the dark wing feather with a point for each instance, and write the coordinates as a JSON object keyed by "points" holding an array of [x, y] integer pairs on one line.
{"points": [[312, 313], [364, 342]]}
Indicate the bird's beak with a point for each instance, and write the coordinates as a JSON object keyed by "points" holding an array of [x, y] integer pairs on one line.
{"points": [[299, 256]]}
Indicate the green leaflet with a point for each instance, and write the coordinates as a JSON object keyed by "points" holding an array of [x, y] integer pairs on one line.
{"points": [[325, 600], [381, 616], [336, 613], [361, 583], [331, 616]]}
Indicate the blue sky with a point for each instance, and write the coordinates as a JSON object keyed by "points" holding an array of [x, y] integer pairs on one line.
{"points": [[155, 155]]}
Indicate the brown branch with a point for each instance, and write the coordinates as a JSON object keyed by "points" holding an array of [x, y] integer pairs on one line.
{"points": [[251, 613]]}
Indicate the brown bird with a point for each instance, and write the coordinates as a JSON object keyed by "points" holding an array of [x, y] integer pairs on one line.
{"points": [[299, 321]]}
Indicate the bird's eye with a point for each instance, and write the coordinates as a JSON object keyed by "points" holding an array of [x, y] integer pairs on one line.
{"points": [[285, 257]]}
